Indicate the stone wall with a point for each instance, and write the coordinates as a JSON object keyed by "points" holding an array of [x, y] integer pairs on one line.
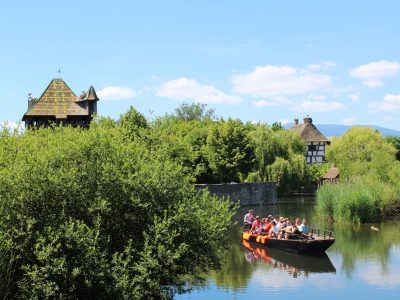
{"points": [[255, 193]]}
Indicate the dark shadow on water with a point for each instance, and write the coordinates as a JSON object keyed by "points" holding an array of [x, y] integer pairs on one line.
{"points": [[310, 264]]}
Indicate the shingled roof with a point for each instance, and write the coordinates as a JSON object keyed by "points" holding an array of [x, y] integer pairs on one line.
{"points": [[90, 95], [57, 100], [332, 174], [308, 131]]}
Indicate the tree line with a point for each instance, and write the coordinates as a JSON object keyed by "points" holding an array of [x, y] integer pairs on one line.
{"points": [[111, 212], [214, 150]]}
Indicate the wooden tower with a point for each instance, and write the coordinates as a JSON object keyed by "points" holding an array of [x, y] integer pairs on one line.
{"points": [[59, 105]]}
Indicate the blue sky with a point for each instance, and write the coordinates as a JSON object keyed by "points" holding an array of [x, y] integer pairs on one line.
{"points": [[254, 60]]}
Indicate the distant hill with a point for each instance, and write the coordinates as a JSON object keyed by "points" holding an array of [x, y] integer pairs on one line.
{"points": [[330, 130]]}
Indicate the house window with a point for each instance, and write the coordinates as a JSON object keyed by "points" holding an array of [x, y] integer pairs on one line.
{"points": [[312, 147]]}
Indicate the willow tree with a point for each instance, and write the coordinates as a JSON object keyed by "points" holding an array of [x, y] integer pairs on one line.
{"points": [[280, 157]]}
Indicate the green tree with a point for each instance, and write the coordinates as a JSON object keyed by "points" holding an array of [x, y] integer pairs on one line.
{"points": [[92, 214], [276, 126], [184, 142], [132, 122], [280, 157], [369, 173], [395, 141], [194, 111], [106, 122], [362, 151], [229, 151]]}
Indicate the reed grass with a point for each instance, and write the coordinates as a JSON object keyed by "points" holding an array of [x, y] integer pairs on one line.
{"points": [[357, 200]]}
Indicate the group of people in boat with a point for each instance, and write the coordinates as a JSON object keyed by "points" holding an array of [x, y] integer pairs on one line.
{"points": [[277, 227]]}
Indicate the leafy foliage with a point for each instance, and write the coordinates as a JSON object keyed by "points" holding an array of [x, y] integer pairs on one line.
{"points": [[279, 157], [229, 151], [395, 141], [361, 151], [132, 122], [369, 186], [194, 111], [94, 214]]}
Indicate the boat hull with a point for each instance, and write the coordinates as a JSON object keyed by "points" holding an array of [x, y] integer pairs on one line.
{"points": [[317, 246], [309, 263]]}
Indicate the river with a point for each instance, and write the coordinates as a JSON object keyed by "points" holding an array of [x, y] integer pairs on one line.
{"points": [[362, 264]]}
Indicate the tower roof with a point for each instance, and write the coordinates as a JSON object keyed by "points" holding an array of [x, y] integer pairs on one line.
{"points": [[57, 99], [90, 95], [308, 131]]}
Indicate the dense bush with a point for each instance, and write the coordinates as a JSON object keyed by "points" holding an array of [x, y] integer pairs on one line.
{"points": [[101, 214], [362, 151], [279, 156], [356, 201], [369, 186], [211, 150], [395, 141]]}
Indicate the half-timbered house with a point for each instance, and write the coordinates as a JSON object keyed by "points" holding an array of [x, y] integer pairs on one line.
{"points": [[315, 141]]}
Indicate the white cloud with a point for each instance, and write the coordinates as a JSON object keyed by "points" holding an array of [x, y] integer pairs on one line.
{"points": [[319, 97], [274, 101], [388, 118], [317, 106], [355, 97], [322, 66], [373, 83], [314, 67], [272, 80], [348, 121], [284, 121], [116, 93], [11, 125], [390, 103], [373, 72], [189, 89], [264, 103]]}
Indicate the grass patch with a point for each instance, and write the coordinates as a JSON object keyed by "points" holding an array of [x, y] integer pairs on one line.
{"points": [[357, 200]]}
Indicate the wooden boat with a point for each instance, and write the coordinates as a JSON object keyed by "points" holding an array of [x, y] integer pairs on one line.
{"points": [[316, 246], [313, 264]]}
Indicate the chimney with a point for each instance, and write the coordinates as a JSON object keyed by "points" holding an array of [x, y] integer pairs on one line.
{"points": [[296, 121], [31, 102], [307, 120]]}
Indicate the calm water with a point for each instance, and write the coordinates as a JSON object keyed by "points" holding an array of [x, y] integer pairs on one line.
{"points": [[362, 264]]}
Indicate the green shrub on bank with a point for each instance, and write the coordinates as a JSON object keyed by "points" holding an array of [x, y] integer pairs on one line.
{"points": [[369, 178], [358, 200], [100, 214]]}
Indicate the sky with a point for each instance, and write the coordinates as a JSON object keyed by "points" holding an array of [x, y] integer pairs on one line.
{"points": [[267, 61]]}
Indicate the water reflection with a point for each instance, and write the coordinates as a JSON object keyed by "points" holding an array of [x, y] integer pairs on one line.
{"points": [[363, 263], [294, 264], [360, 243]]}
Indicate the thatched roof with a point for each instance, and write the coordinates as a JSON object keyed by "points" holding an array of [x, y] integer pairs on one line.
{"points": [[308, 131], [332, 174]]}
